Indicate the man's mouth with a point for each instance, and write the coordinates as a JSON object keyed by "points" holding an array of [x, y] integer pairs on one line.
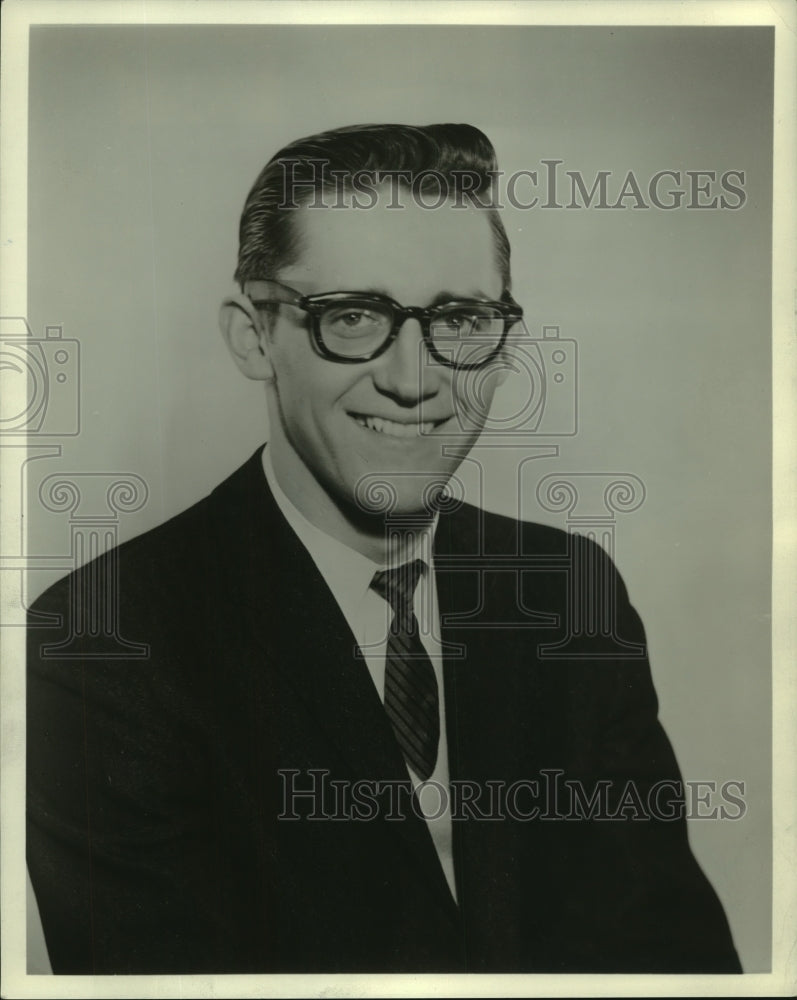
{"points": [[393, 428]]}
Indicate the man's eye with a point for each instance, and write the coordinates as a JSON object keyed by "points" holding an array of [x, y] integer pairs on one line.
{"points": [[354, 318], [350, 317], [468, 322], [352, 322]]}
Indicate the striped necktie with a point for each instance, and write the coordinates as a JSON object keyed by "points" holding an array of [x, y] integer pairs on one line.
{"points": [[410, 683]]}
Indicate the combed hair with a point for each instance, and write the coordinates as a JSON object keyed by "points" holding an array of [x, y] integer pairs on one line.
{"points": [[269, 242]]}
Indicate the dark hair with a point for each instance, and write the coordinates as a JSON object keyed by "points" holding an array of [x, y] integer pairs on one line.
{"points": [[452, 153]]}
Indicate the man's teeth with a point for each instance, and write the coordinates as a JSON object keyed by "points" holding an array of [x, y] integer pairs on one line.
{"points": [[394, 429]]}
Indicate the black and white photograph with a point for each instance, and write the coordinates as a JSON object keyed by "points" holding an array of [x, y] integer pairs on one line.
{"points": [[397, 503]]}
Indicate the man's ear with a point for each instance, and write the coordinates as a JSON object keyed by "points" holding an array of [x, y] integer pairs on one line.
{"points": [[244, 337]]}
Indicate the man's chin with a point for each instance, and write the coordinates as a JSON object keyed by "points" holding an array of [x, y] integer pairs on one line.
{"points": [[380, 495]]}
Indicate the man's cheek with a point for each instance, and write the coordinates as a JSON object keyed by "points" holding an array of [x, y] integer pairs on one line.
{"points": [[473, 397]]}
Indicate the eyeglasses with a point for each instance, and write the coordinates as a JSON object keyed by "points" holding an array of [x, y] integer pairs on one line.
{"points": [[354, 327]]}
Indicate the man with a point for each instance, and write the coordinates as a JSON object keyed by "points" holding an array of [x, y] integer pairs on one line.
{"points": [[349, 745]]}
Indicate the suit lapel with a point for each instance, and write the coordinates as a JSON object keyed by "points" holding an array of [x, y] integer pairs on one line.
{"points": [[293, 618], [504, 717]]}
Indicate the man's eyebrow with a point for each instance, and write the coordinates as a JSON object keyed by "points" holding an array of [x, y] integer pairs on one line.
{"points": [[440, 299], [475, 294]]}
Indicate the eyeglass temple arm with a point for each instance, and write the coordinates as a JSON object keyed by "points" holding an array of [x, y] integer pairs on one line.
{"points": [[296, 297]]}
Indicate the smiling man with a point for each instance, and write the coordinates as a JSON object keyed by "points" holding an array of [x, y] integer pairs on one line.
{"points": [[359, 395], [349, 748]]}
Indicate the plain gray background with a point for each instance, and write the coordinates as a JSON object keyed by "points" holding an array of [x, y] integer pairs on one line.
{"points": [[143, 144]]}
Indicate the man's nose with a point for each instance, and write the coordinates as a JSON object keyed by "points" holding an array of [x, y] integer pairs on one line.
{"points": [[406, 371]]}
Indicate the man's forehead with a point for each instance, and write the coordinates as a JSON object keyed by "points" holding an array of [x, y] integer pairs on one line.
{"points": [[397, 252]]}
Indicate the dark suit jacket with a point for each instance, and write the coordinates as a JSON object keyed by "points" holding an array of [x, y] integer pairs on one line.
{"points": [[154, 791]]}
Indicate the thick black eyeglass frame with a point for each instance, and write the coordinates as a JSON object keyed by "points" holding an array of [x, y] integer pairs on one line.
{"points": [[509, 310]]}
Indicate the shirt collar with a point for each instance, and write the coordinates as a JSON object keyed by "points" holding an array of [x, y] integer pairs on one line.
{"points": [[348, 573]]}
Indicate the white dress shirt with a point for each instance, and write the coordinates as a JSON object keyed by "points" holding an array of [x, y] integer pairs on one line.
{"points": [[348, 574]]}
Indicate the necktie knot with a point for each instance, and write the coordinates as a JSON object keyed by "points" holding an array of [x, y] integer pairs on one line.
{"points": [[397, 587]]}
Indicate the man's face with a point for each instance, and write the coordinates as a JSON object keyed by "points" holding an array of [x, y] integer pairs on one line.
{"points": [[321, 411]]}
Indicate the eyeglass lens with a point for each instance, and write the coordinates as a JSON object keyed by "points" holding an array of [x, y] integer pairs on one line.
{"points": [[463, 334]]}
